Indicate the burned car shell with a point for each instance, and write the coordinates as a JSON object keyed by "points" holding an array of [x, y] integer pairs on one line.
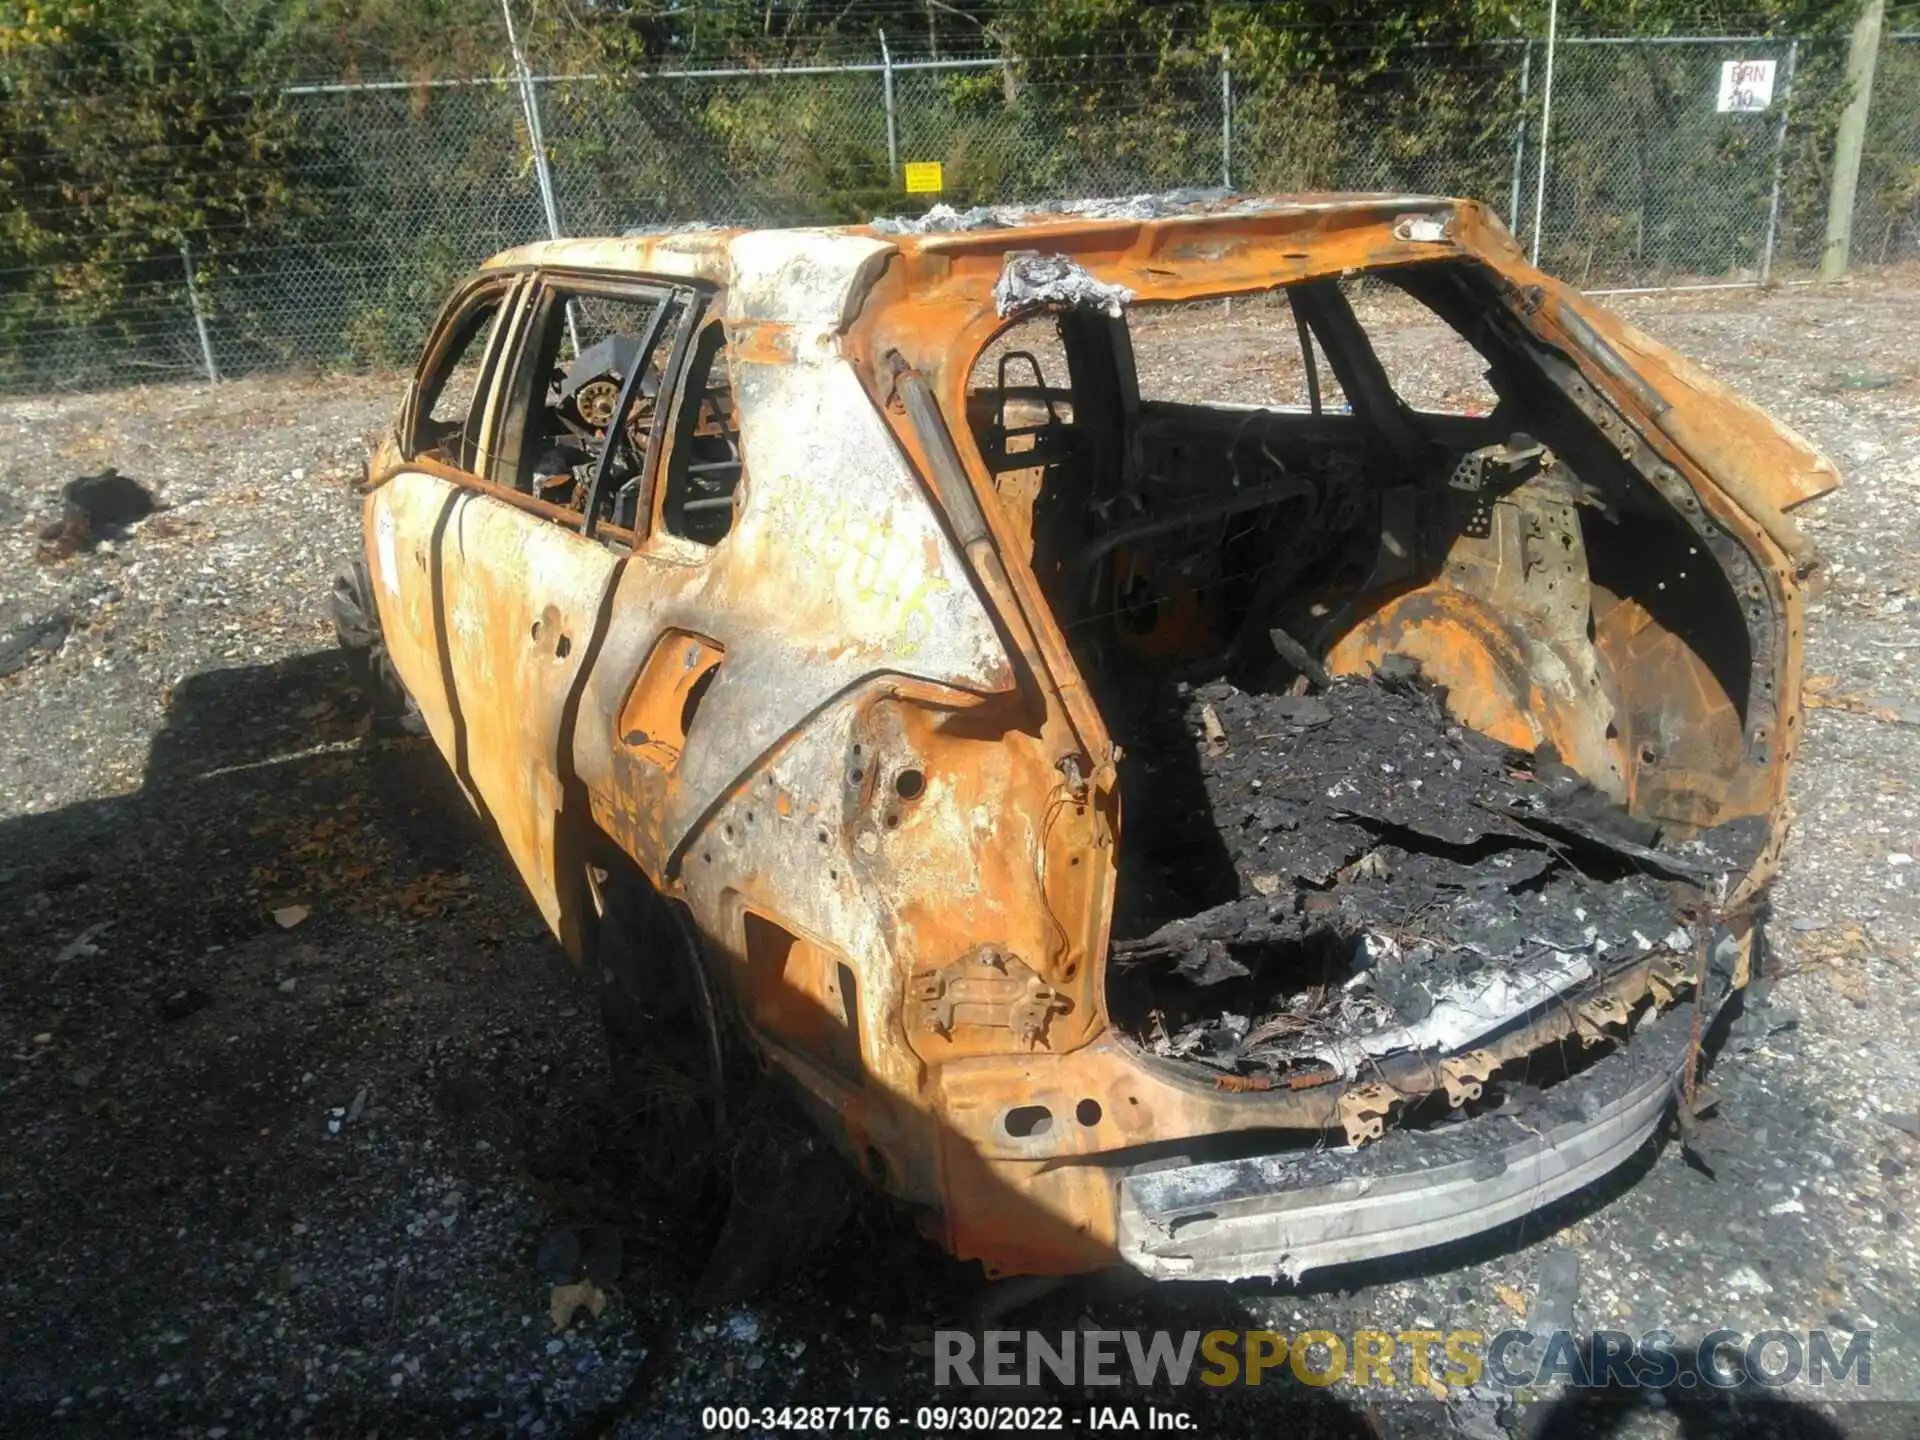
{"points": [[893, 816]]}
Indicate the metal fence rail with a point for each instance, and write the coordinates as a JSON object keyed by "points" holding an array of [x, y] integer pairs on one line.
{"points": [[404, 185]]}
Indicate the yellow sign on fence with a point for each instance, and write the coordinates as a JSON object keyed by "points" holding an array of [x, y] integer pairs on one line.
{"points": [[924, 177]]}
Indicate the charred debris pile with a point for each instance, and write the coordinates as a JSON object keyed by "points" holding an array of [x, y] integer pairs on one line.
{"points": [[1313, 878]]}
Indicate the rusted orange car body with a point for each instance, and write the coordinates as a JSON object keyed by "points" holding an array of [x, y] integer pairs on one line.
{"points": [[847, 727]]}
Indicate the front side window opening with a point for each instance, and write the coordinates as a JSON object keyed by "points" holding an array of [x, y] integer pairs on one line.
{"points": [[451, 400]]}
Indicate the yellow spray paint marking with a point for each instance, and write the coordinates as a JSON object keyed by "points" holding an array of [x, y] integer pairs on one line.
{"points": [[879, 570]]}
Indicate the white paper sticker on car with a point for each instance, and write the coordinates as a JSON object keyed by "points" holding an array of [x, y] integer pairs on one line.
{"points": [[383, 544]]}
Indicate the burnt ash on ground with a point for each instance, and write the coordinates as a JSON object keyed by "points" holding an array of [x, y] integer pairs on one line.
{"points": [[1310, 867]]}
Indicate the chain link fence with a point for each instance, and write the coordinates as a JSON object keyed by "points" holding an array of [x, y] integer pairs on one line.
{"points": [[1886, 223], [400, 187]]}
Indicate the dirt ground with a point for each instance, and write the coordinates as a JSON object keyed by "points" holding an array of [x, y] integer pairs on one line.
{"points": [[293, 1086]]}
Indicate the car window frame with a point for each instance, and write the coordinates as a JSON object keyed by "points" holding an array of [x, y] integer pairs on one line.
{"points": [[1395, 277], [1304, 337], [711, 312], [548, 286], [509, 288]]}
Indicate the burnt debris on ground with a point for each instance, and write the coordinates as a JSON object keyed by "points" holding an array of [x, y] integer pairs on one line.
{"points": [[1312, 869], [95, 508]]}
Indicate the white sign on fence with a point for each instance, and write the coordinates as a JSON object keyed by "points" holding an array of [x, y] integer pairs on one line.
{"points": [[1746, 86]]}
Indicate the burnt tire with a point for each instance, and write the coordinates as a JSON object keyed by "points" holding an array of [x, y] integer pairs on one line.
{"points": [[789, 1193], [705, 1135], [356, 625], [666, 1040]]}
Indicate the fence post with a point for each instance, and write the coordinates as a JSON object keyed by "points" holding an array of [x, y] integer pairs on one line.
{"points": [[893, 131], [536, 136], [199, 317], [1546, 127], [1226, 120], [1520, 137], [1779, 163], [1861, 53]]}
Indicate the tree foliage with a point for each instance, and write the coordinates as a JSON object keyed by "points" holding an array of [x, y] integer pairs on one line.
{"points": [[130, 129]]}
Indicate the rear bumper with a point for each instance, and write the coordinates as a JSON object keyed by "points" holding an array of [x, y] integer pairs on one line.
{"points": [[1281, 1215]]}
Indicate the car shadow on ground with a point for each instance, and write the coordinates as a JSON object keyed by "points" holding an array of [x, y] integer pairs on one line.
{"points": [[296, 919], [293, 920], [1728, 1406]]}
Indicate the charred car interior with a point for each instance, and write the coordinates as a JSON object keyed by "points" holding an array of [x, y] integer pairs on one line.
{"points": [[1416, 705], [591, 355], [1223, 830]]}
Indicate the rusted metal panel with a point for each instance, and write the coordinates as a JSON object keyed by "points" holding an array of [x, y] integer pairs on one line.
{"points": [[696, 254], [1730, 436], [489, 617], [521, 602], [403, 518], [837, 571]]}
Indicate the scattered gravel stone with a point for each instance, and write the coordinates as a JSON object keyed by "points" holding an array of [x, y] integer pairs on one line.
{"points": [[1557, 1292]]}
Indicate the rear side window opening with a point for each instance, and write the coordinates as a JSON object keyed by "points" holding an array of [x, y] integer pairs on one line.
{"points": [[1431, 366], [1278, 364], [586, 398], [701, 484]]}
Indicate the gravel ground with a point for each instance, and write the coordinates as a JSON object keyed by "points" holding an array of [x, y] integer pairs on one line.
{"points": [[293, 1087]]}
